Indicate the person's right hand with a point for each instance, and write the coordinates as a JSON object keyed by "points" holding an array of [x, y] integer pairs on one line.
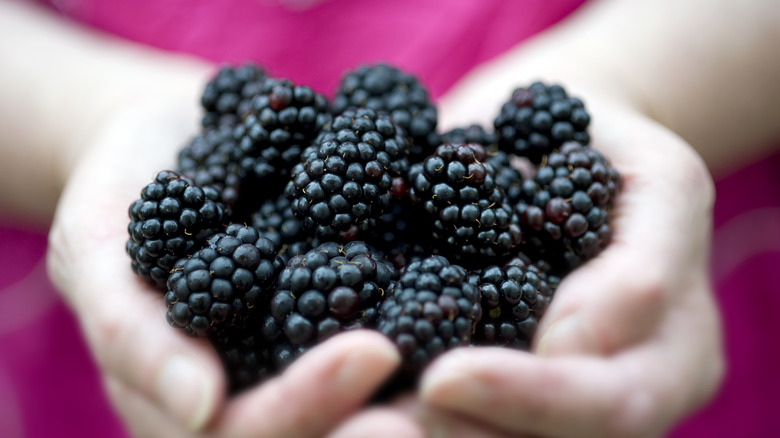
{"points": [[162, 382], [631, 342]]}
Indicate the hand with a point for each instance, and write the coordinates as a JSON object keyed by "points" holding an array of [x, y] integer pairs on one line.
{"points": [[630, 343], [163, 383]]}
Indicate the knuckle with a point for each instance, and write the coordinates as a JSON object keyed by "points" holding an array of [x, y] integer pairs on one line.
{"points": [[647, 289], [57, 260], [712, 375], [652, 294], [696, 176], [107, 333], [636, 414], [701, 179]]}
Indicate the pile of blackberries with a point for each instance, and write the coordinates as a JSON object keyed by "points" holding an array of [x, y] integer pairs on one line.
{"points": [[291, 218]]}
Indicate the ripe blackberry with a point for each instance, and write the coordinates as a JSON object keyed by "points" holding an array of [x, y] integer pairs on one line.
{"points": [[401, 236], [282, 119], [212, 159], [226, 96], [539, 119], [387, 89], [221, 283], [173, 218], [470, 134], [514, 298], [346, 182], [244, 352], [275, 221], [432, 308], [471, 218], [327, 290], [565, 208], [507, 178]]}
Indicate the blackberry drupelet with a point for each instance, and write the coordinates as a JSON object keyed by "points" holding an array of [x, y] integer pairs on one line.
{"points": [[565, 208], [401, 236], [349, 178], [173, 218], [212, 159], [470, 134], [470, 217], [223, 282], [327, 290], [539, 119], [387, 89], [432, 308], [244, 352], [508, 178], [514, 298], [282, 120], [275, 221], [226, 96]]}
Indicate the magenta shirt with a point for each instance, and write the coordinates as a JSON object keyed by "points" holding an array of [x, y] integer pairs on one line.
{"points": [[49, 386]]}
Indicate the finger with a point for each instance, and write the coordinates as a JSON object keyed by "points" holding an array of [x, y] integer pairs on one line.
{"points": [[130, 339], [520, 392], [317, 391], [639, 393], [121, 316], [141, 417], [413, 420], [616, 299], [439, 423], [381, 423]]}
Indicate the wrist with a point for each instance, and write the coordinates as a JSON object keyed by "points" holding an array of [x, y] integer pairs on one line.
{"points": [[171, 86], [477, 98]]}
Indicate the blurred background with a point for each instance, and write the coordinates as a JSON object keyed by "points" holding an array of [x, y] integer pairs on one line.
{"points": [[49, 386]]}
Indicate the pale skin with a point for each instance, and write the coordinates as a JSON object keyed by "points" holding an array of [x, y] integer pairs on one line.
{"points": [[631, 342]]}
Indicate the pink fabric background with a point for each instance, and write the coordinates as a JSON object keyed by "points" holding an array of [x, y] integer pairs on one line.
{"points": [[49, 386]]}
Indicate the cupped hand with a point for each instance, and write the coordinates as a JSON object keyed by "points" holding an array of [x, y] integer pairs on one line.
{"points": [[162, 382], [631, 341]]}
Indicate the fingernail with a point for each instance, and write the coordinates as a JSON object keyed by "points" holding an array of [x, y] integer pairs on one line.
{"points": [[185, 390], [570, 335], [453, 388], [369, 363]]}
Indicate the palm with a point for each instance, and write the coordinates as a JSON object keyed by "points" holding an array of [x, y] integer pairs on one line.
{"points": [[630, 343], [123, 316]]}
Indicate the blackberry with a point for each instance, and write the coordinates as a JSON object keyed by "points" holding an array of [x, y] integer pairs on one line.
{"points": [[470, 134], [223, 282], [346, 182], [508, 178], [327, 290], [387, 89], [212, 159], [244, 352], [471, 218], [226, 96], [401, 236], [539, 119], [282, 119], [275, 221], [432, 308], [565, 208], [173, 218], [514, 298]]}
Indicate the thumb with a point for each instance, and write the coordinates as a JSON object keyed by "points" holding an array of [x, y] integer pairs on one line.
{"points": [[610, 303], [661, 223], [123, 321]]}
